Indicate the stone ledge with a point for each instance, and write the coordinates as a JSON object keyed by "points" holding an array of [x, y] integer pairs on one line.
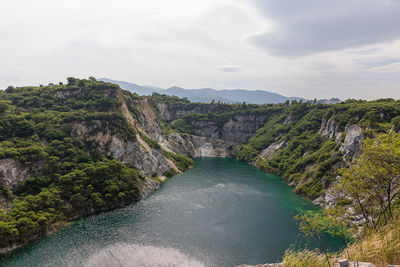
{"points": [[263, 265], [346, 263]]}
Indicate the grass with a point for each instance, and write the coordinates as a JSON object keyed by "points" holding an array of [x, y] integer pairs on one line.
{"points": [[305, 258], [381, 247]]}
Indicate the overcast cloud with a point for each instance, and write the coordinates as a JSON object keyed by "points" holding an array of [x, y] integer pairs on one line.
{"points": [[309, 48]]}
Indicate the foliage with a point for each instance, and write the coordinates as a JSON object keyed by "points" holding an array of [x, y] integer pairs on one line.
{"points": [[247, 153], [181, 126], [152, 143], [381, 247], [312, 224], [305, 258], [182, 162], [70, 177], [171, 172], [372, 181]]}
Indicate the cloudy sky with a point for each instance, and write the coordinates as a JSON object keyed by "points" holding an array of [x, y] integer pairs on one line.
{"points": [[308, 48]]}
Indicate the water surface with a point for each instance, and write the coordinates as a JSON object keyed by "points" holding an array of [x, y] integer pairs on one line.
{"points": [[220, 213]]}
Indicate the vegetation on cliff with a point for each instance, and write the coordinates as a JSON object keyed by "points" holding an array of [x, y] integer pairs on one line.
{"points": [[69, 176], [368, 198], [308, 158]]}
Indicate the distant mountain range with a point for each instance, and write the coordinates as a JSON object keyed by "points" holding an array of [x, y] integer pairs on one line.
{"points": [[206, 95]]}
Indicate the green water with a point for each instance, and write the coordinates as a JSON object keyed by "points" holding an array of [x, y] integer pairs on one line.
{"points": [[220, 213]]}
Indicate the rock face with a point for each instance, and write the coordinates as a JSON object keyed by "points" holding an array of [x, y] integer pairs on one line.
{"points": [[352, 142], [329, 129], [346, 263], [242, 127], [170, 112], [274, 148], [12, 172], [206, 140], [149, 161], [238, 129]]}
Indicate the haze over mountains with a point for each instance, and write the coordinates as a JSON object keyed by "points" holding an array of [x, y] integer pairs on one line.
{"points": [[206, 95]]}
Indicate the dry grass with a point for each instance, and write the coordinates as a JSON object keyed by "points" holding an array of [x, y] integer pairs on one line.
{"points": [[381, 248], [305, 258]]}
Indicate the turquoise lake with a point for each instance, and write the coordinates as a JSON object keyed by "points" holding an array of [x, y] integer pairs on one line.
{"points": [[222, 212]]}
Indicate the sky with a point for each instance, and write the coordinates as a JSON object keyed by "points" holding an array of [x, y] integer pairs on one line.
{"points": [[308, 48]]}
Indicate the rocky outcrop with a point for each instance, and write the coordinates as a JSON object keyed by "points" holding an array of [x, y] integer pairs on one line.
{"points": [[352, 142], [197, 146], [147, 186], [263, 265], [242, 127], [149, 161], [346, 263], [274, 148], [238, 129], [329, 129], [170, 112], [12, 172], [205, 142]]}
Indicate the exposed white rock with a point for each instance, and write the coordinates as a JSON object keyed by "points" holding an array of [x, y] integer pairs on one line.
{"points": [[329, 128], [12, 172], [352, 142], [149, 161], [272, 149]]}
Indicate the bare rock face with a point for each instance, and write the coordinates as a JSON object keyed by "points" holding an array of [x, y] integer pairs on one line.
{"points": [[12, 172], [352, 142], [329, 129], [197, 146], [170, 112], [274, 148], [242, 127], [147, 186], [238, 129], [149, 161], [208, 147]]}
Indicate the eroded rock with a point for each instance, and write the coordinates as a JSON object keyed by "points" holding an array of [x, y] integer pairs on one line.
{"points": [[352, 142]]}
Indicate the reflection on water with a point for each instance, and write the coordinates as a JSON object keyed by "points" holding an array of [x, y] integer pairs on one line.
{"points": [[139, 255]]}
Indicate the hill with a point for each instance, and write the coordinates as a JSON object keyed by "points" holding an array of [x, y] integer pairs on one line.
{"points": [[207, 95]]}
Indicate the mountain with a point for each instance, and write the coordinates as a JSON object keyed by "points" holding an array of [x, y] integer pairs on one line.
{"points": [[132, 87], [207, 95]]}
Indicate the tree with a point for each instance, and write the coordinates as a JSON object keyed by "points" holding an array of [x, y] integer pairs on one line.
{"points": [[3, 106], [337, 224], [71, 80], [312, 224], [372, 182], [10, 89]]}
